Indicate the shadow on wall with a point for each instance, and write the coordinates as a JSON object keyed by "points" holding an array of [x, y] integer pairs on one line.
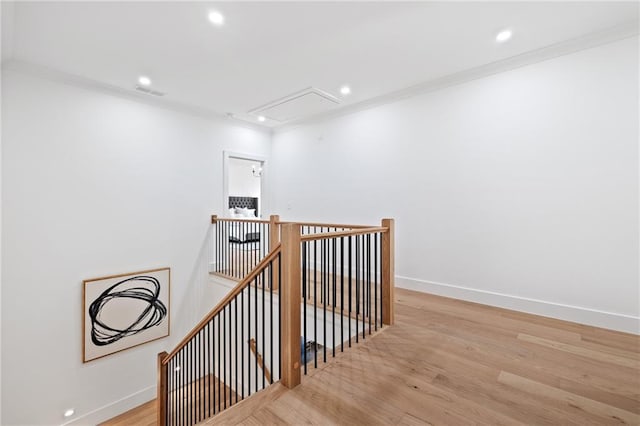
{"points": [[194, 304]]}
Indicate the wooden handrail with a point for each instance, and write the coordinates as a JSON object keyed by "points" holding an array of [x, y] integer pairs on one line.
{"points": [[325, 225], [361, 231], [245, 219], [230, 296], [254, 349], [215, 218]]}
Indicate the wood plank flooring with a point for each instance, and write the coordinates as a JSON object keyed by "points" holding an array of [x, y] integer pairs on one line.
{"points": [[145, 415], [451, 362]]}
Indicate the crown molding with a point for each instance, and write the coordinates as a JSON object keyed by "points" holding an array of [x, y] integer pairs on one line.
{"points": [[41, 71], [621, 32], [627, 30]]}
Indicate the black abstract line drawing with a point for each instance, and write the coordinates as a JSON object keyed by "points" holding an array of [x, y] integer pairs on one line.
{"points": [[153, 313], [124, 311]]}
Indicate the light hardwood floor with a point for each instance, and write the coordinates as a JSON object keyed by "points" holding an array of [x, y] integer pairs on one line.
{"points": [[145, 415], [456, 363]]}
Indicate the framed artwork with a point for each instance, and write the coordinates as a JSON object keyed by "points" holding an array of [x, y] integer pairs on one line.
{"points": [[123, 311]]}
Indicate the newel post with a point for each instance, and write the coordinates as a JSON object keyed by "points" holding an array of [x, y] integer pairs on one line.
{"points": [[274, 239], [388, 271], [161, 399], [274, 231], [290, 300]]}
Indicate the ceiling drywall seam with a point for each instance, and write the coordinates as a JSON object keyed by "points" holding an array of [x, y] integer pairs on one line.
{"points": [[18, 65], [610, 35]]}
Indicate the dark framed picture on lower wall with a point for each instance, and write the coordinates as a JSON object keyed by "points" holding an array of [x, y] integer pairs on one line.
{"points": [[123, 311]]}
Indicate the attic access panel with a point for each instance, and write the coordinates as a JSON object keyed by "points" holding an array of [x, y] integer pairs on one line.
{"points": [[301, 104]]}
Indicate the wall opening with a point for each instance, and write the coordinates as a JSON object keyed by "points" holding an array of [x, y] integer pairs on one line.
{"points": [[244, 179]]}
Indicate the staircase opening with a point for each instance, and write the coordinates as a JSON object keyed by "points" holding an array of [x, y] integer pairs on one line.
{"points": [[305, 293]]}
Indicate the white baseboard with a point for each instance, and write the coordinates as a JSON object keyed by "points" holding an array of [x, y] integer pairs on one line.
{"points": [[593, 317], [115, 408]]}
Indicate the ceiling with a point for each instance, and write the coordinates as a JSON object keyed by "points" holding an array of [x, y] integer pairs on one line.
{"points": [[267, 51]]}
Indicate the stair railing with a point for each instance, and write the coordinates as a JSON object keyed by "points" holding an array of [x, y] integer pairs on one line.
{"points": [[210, 370], [346, 287], [346, 272], [240, 244]]}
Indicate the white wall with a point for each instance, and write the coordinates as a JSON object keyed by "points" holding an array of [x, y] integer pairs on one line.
{"points": [[242, 183], [97, 184], [518, 190]]}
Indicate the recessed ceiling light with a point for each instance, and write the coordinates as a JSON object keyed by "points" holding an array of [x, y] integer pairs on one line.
{"points": [[69, 412], [503, 36], [216, 17], [261, 118], [345, 90], [144, 80]]}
